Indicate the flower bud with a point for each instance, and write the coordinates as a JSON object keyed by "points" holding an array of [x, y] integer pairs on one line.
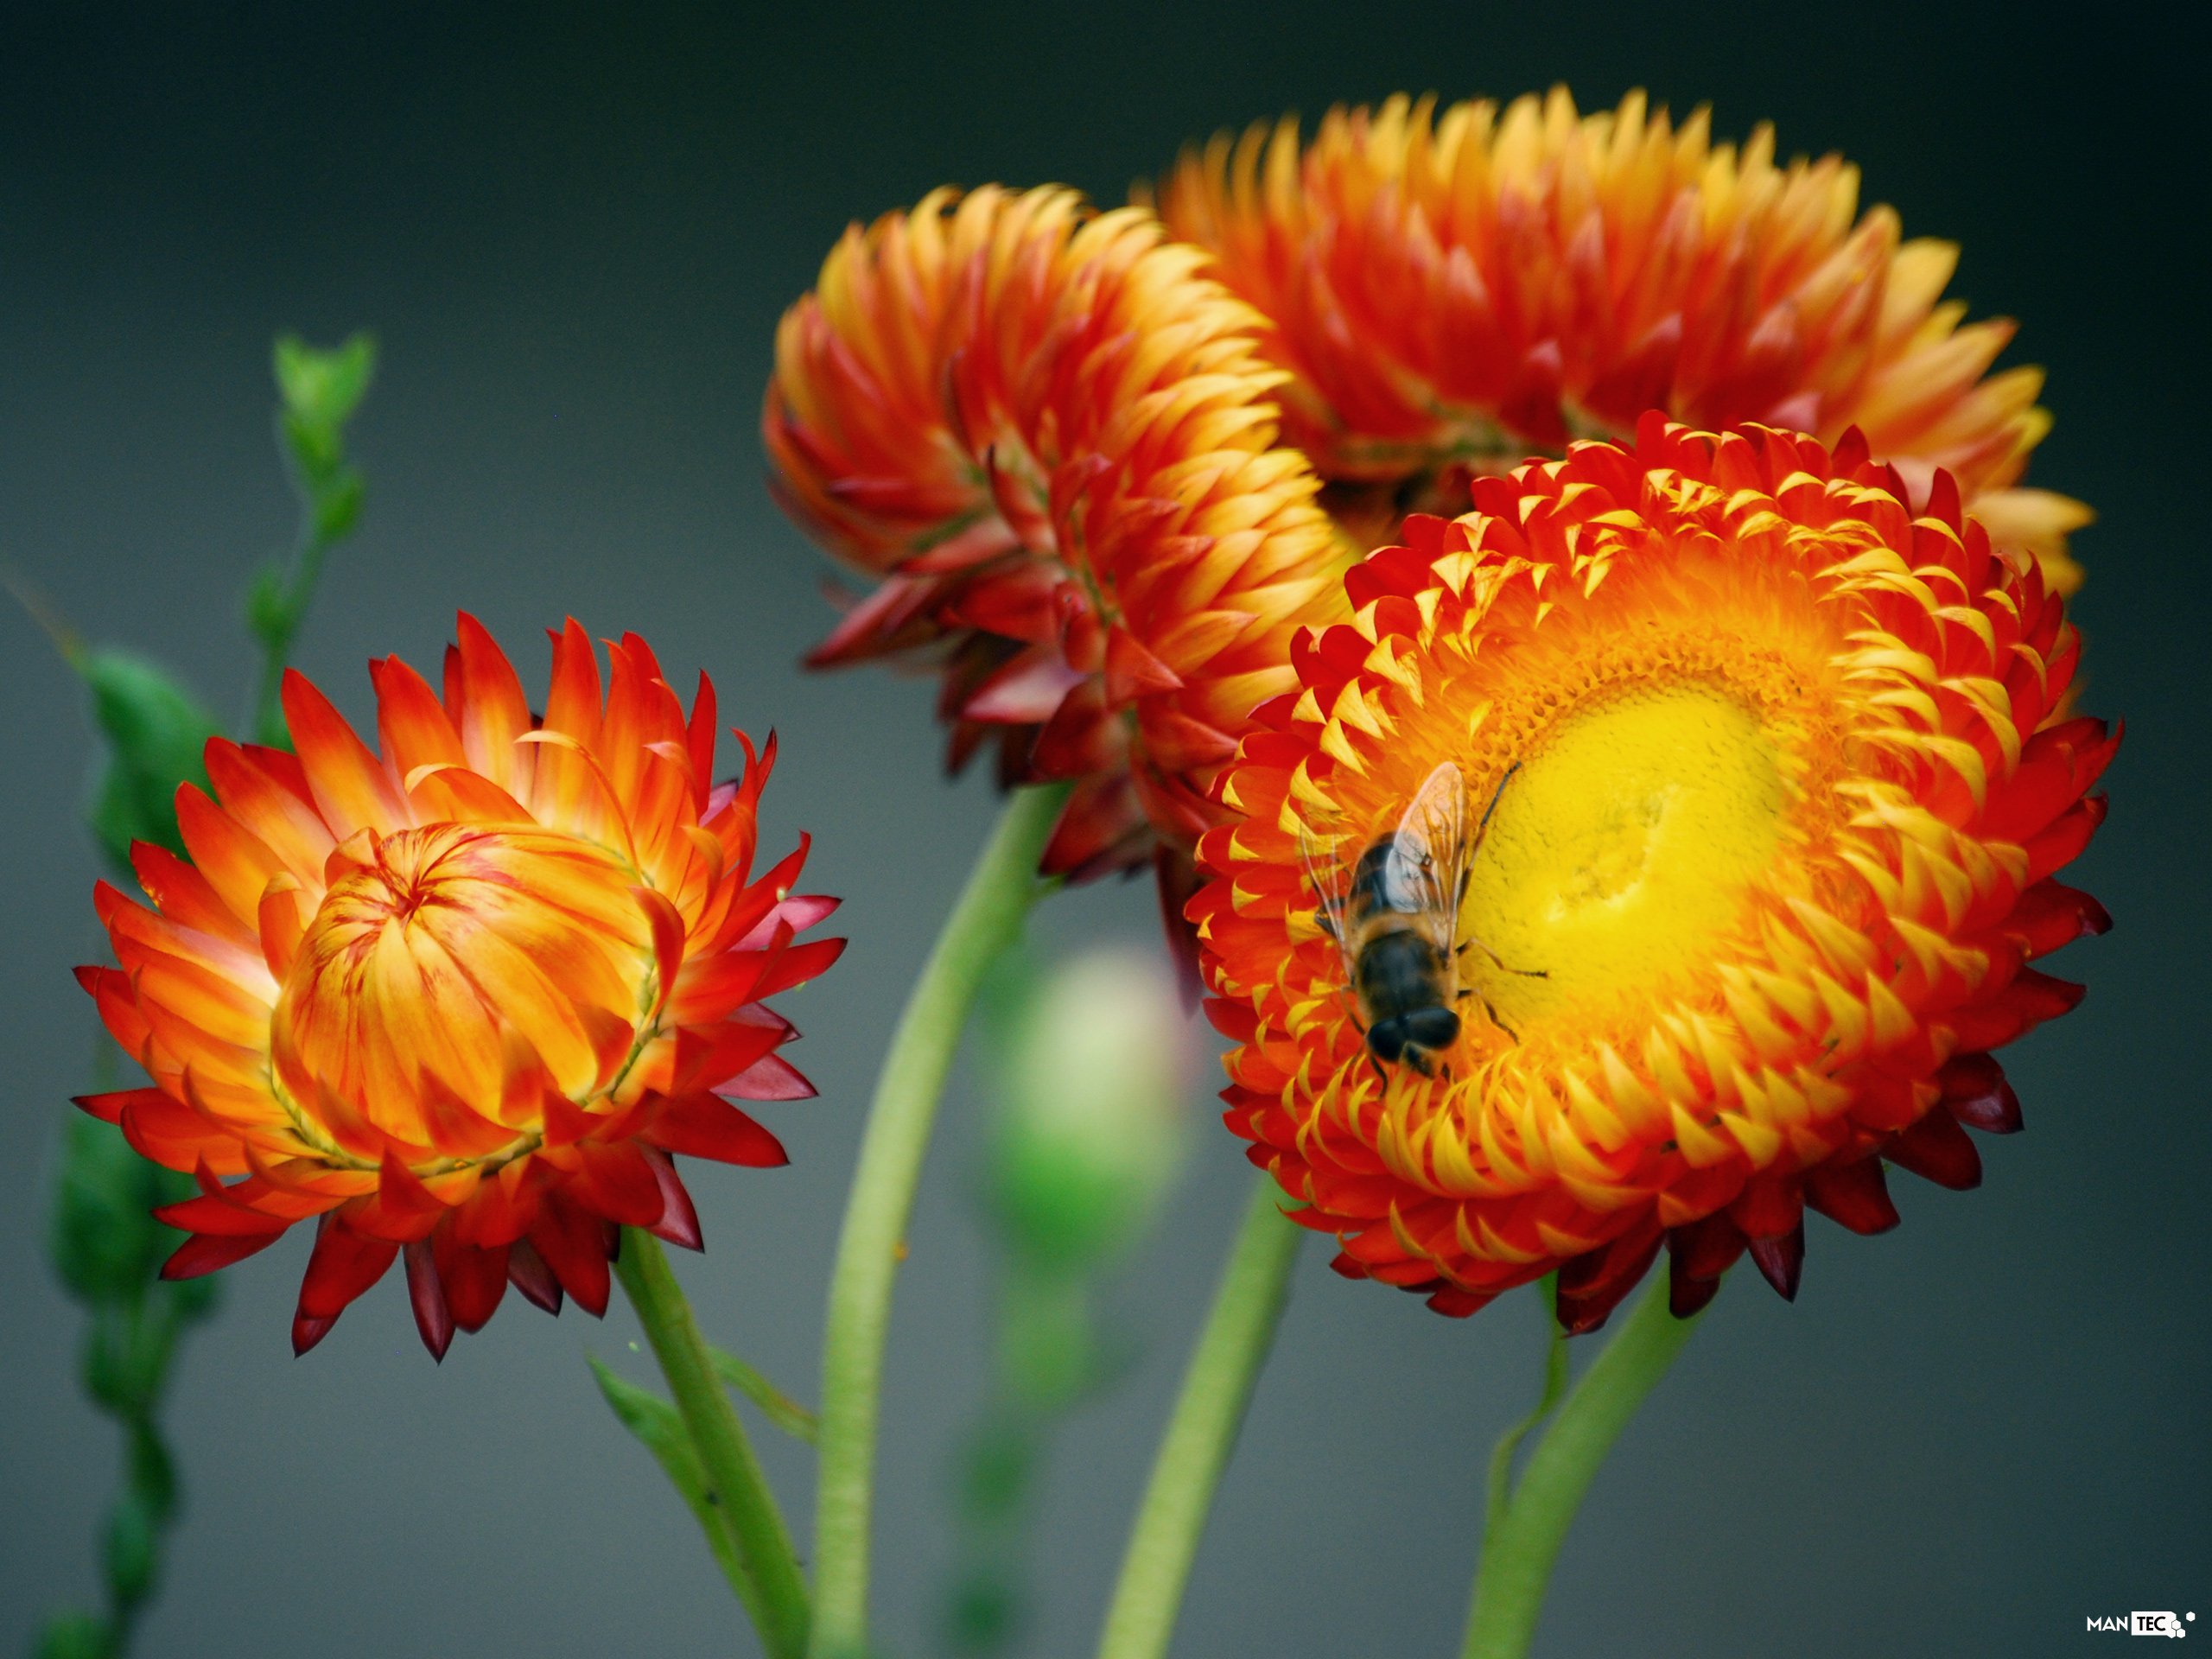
{"points": [[1091, 1132]]}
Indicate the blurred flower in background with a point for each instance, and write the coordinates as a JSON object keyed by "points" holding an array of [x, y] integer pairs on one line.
{"points": [[1452, 291]]}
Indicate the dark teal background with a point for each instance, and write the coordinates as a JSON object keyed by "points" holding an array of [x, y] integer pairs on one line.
{"points": [[573, 230]]}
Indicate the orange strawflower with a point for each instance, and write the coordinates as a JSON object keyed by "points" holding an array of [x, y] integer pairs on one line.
{"points": [[1785, 791], [1453, 291], [1052, 444], [460, 1000]]}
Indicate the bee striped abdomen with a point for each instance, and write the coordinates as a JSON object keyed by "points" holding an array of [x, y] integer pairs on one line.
{"points": [[1402, 981]]}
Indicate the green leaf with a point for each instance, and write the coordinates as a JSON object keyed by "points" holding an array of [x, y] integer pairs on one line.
{"points": [[157, 733], [778, 1407], [74, 1635], [102, 1240], [661, 1431], [323, 388]]}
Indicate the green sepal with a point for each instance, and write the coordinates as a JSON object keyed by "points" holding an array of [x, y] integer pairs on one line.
{"points": [[778, 1407], [661, 1432], [156, 734]]}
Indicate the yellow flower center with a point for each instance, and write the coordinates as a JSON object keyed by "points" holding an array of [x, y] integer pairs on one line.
{"points": [[1624, 844]]}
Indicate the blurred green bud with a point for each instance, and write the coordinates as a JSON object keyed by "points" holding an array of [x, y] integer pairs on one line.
{"points": [[337, 508], [1096, 1065], [322, 388], [269, 607], [155, 732]]}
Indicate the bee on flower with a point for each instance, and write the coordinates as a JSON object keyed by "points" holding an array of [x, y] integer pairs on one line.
{"points": [[1792, 778]]}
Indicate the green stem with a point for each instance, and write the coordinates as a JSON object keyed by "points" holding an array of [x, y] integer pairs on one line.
{"points": [[1501, 1456], [734, 1481], [986, 920], [268, 719], [1217, 1388], [1519, 1548]]}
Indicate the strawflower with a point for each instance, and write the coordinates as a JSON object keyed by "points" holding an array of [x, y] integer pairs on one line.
{"points": [[1051, 440], [1793, 788], [464, 998], [1453, 290]]}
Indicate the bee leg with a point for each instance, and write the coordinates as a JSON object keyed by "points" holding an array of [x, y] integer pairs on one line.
{"points": [[1381, 1075], [1498, 961], [1495, 1020]]}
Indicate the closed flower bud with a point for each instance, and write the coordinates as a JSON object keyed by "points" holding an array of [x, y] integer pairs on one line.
{"points": [[1091, 1135]]}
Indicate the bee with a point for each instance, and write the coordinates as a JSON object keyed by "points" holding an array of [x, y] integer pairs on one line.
{"points": [[1394, 912]]}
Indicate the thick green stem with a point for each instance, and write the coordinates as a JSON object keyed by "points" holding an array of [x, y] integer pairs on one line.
{"points": [[1217, 1388], [1520, 1546], [984, 922], [735, 1482]]}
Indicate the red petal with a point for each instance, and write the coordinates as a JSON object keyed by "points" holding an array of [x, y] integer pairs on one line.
{"points": [[617, 1182], [1026, 692], [1936, 1149], [475, 1279], [797, 965], [1686, 1295], [1977, 1094], [769, 1077], [1853, 1195], [703, 1126], [1132, 671], [1781, 1259], [433, 1320], [706, 1061], [342, 1265], [2050, 915], [1457, 1304], [199, 1256], [527, 1273], [679, 1218], [576, 1246], [1706, 1248]]}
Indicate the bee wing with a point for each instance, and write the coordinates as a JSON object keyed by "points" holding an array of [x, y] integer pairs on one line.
{"points": [[1330, 872], [1431, 862]]}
